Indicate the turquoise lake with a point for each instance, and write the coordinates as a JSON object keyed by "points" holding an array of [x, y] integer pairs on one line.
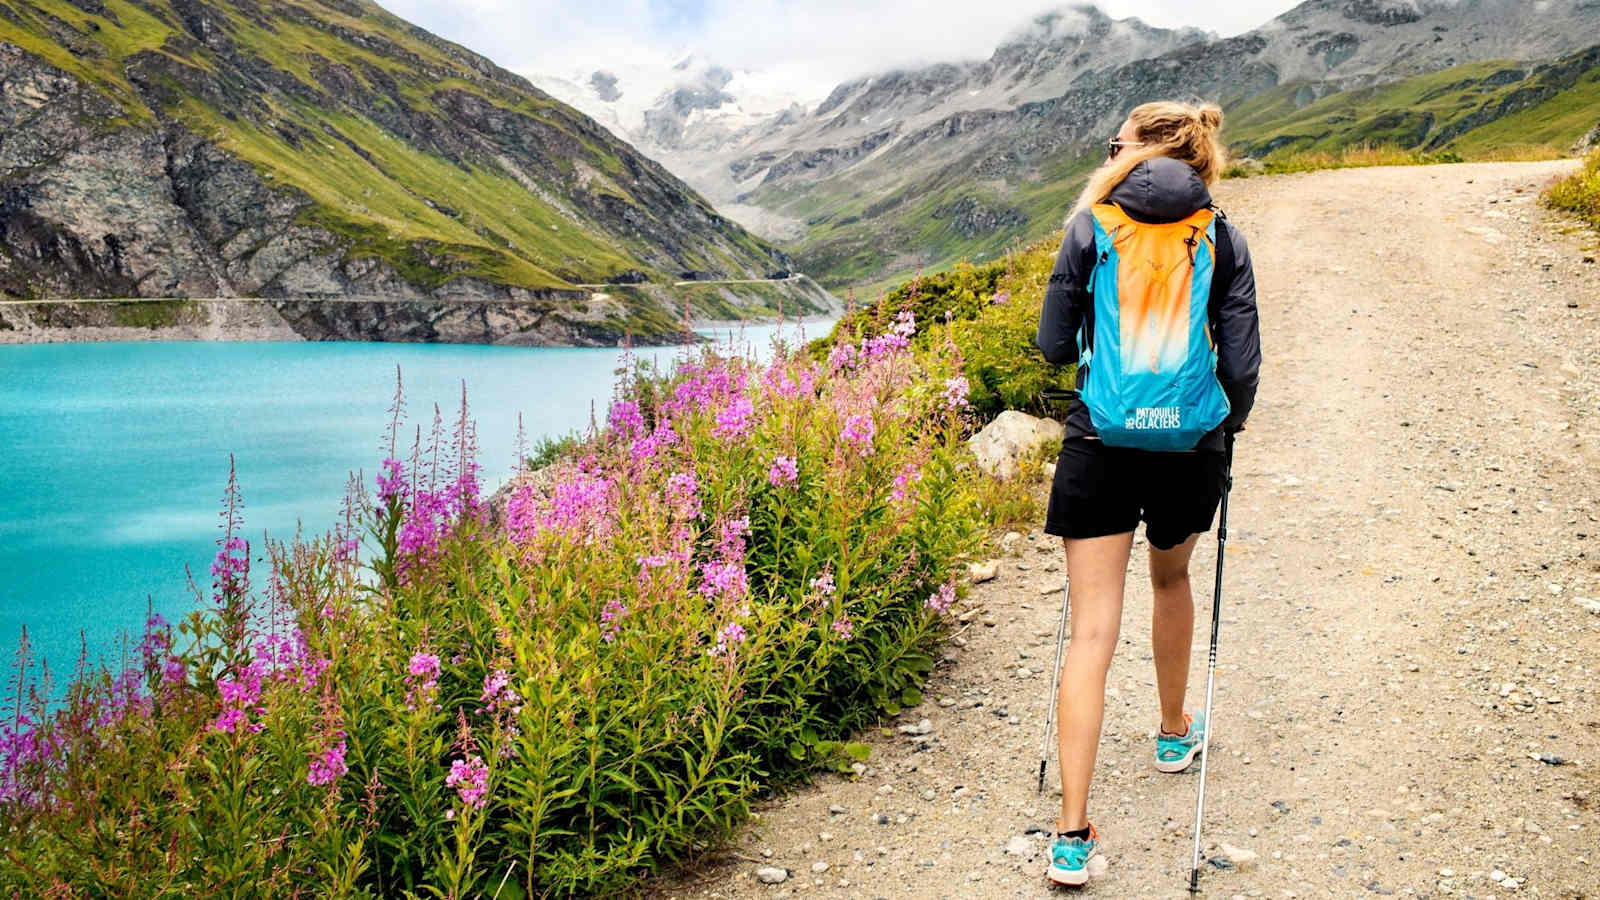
{"points": [[114, 457]]}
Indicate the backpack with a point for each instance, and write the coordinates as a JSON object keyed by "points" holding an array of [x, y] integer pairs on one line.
{"points": [[1152, 380]]}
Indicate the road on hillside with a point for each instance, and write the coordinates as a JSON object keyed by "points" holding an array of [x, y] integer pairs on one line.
{"points": [[1408, 697]]}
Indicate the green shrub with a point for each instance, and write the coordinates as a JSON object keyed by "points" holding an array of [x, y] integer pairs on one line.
{"points": [[1579, 193]]}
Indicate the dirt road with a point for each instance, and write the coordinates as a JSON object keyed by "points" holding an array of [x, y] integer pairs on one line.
{"points": [[1408, 695]]}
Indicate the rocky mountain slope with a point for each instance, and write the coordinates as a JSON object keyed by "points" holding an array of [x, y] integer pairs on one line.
{"points": [[928, 166], [315, 148]]}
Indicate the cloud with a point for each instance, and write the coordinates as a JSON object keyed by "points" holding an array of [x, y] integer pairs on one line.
{"points": [[808, 47]]}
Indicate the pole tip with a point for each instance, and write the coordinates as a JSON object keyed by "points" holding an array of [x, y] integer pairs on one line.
{"points": [[1042, 765], [1194, 881]]}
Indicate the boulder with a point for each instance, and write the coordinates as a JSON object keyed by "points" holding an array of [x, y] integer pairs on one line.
{"points": [[1002, 446]]}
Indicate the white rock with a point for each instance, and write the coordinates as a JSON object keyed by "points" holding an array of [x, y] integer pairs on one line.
{"points": [[819, 867], [1510, 884], [923, 727], [1497, 875], [1004, 443], [1239, 856], [1098, 866], [772, 875], [981, 572], [1019, 846]]}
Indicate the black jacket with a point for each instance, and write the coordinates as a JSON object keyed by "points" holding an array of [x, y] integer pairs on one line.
{"points": [[1158, 191]]}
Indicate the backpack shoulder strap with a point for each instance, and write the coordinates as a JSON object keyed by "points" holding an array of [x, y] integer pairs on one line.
{"points": [[1224, 268]]}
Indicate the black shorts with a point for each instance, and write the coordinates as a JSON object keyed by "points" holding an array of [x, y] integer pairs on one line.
{"points": [[1100, 491]]}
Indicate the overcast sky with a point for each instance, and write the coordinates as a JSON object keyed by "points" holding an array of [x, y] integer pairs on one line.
{"points": [[806, 45]]}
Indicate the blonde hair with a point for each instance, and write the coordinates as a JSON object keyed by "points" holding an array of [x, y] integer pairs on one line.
{"points": [[1178, 130]]}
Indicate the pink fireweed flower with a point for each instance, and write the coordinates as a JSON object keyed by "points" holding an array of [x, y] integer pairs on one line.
{"points": [[731, 635], [580, 505], [940, 601], [1001, 299], [843, 357], [470, 778], [903, 482], [497, 694], [625, 418], [422, 680], [230, 571], [611, 619], [328, 765], [683, 490], [241, 696], [391, 480], [654, 444], [785, 471], [860, 429], [822, 586], [956, 391], [733, 420], [843, 627], [730, 542], [724, 578]]}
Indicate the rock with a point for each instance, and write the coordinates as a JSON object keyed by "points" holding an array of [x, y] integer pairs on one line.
{"points": [[837, 810], [1019, 846], [1098, 866], [858, 768], [1497, 876], [982, 572], [1592, 606], [1024, 672], [1012, 437], [1240, 857], [772, 875], [930, 795], [819, 867], [923, 727]]}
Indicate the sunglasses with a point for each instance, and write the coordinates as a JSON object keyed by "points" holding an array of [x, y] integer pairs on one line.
{"points": [[1114, 146]]}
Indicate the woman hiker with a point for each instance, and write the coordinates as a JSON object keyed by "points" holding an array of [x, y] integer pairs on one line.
{"points": [[1157, 172]]}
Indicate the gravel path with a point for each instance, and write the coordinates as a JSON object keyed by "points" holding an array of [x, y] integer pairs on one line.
{"points": [[1408, 696]]}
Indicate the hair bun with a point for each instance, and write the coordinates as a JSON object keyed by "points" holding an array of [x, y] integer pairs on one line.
{"points": [[1211, 116]]}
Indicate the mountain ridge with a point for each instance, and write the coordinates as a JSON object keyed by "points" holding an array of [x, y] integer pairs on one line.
{"points": [[311, 148]]}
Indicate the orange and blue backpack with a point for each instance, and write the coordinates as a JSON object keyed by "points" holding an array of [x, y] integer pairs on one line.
{"points": [[1152, 361]]}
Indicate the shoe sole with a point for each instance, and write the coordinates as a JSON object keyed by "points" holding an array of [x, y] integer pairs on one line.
{"points": [[1178, 765], [1068, 877]]}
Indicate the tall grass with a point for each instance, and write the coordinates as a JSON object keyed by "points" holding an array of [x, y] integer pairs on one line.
{"points": [[1579, 193], [695, 605], [1367, 155]]}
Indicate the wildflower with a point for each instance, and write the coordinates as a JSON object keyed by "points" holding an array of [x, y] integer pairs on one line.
{"points": [[391, 480], [785, 471], [843, 627], [908, 476], [470, 778], [939, 601], [328, 765], [731, 542], [241, 696], [649, 447], [723, 578], [733, 633], [733, 420], [611, 619], [625, 418], [1001, 299], [956, 391], [422, 680], [860, 429], [581, 504], [683, 490], [843, 357], [822, 586], [230, 571], [497, 694]]}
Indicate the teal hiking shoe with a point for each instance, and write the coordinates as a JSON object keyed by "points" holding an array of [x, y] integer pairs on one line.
{"points": [[1174, 754], [1069, 858]]}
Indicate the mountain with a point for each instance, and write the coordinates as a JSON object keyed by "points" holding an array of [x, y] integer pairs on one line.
{"points": [[927, 166], [323, 148]]}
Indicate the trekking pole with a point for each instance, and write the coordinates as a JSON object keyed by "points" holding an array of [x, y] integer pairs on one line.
{"points": [[1055, 678], [1211, 673]]}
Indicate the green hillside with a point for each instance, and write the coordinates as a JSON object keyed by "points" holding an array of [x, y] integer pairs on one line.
{"points": [[405, 149]]}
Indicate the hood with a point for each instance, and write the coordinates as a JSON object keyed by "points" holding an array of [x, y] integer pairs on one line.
{"points": [[1162, 190]]}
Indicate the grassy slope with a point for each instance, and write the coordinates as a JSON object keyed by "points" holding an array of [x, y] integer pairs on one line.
{"points": [[503, 233], [1580, 194], [874, 254]]}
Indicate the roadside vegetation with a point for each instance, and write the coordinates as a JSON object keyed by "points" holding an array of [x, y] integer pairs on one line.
{"points": [[1579, 193], [695, 605]]}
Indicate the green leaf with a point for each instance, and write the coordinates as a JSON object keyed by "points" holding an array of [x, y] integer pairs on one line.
{"points": [[857, 751], [911, 697], [797, 750]]}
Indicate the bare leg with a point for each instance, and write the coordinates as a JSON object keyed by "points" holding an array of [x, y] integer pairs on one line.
{"points": [[1097, 570], [1172, 629]]}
